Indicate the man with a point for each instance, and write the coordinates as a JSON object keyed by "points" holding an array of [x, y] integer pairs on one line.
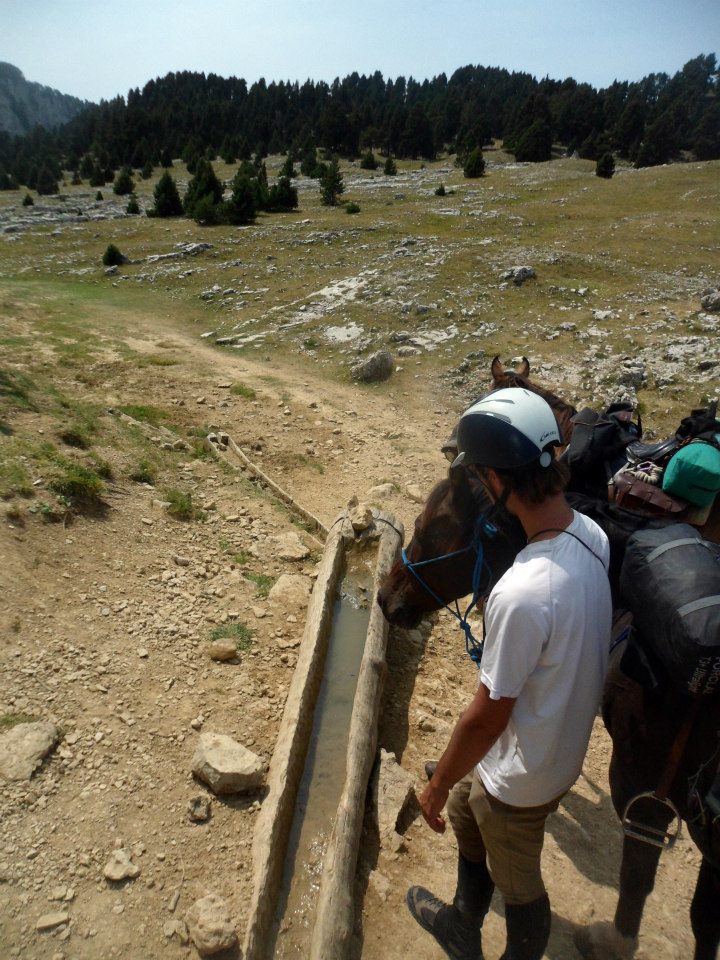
{"points": [[520, 745]]}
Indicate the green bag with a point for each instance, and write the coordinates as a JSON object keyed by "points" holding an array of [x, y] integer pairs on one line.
{"points": [[693, 473]]}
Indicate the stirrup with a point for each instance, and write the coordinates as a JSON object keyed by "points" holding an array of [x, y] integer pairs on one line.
{"points": [[665, 839]]}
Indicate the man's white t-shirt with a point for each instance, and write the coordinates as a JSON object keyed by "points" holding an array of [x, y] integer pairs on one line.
{"points": [[547, 635]]}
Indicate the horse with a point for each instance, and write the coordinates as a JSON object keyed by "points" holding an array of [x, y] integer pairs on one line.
{"points": [[642, 724], [520, 377]]}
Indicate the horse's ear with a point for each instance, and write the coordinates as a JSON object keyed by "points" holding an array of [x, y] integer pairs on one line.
{"points": [[496, 368], [459, 479], [524, 368]]}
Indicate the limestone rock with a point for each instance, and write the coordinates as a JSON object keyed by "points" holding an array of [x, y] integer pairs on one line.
{"points": [[222, 650], [291, 547], [225, 765], [48, 921], [382, 490], [23, 748], [414, 492], [120, 867], [710, 299], [176, 928], [199, 809], [377, 368], [360, 515], [393, 789], [291, 592], [209, 925], [519, 275]]}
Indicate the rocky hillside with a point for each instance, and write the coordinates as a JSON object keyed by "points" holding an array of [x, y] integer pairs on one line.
{"points": [[23, 104]]}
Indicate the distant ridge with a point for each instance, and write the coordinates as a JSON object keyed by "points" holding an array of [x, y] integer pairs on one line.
{"points": [[24, 105]]}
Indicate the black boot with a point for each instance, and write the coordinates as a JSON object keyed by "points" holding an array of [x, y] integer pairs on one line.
{"points": [[456, 927], [528, 929]]}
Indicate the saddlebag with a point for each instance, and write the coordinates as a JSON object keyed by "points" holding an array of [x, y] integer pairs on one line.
{"points": [[670, 581]]}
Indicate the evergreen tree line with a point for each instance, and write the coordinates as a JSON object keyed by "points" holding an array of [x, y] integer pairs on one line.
{"points": [[190, 115]]}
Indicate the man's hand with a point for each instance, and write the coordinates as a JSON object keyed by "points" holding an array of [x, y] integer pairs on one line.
{"points": [[432, 801]]}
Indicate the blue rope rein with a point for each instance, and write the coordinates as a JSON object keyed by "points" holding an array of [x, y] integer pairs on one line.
{"points": [[473, 647]]}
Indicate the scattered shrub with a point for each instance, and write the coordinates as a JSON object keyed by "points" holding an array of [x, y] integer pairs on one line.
{"points": [[263, 583], [78, 486], [180, 504], [98, 196], [144, 472], [440, 191], [240, 390], [238, 632], [28, 201], [112, 256], [352, 207]]}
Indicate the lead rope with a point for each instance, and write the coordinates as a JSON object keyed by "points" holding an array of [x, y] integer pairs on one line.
{"points": [[473, 646]]}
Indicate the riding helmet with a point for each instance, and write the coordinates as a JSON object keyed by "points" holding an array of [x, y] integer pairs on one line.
{"points": [[507, 429]]}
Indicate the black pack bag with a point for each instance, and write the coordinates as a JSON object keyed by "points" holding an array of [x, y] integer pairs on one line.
{"points": [[670, 580], [597, 446]]}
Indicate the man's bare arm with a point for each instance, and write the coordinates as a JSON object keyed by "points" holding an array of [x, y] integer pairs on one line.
{"points": [[475, 732]]}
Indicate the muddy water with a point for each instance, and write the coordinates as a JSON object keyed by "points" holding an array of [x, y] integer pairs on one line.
{"points": [[324, 774]]}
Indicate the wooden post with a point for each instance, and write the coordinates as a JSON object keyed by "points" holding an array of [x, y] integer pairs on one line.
{"points": [[332, 934]]}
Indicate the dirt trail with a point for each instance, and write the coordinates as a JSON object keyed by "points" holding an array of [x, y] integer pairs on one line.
{"points": [[105, 633]]}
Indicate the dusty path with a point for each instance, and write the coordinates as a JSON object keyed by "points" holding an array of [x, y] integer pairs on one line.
{"points": [[105, 634]]}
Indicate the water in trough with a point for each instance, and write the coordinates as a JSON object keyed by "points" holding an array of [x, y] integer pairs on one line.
{"points": [[324, 773]]}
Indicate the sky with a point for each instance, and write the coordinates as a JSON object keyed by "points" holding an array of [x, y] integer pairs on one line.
{"points": [[97, 50]]}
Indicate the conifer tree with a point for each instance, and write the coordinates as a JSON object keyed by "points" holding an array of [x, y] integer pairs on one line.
{"points": [[309, 162], [133, 207], [288, 170], [368, 161], [147, 170], [123, 183], [390, 168], [331, 183], [204, 184], [76, 178], [535, 144], [166, 158], [46, 183], [475, 164], [605, 167], [167, 198], [86, 166], [282, 196], [28, 201], [97, 176], [242, 205]]}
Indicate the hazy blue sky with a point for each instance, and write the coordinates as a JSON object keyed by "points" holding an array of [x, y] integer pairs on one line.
{"points": [[99, 49]]}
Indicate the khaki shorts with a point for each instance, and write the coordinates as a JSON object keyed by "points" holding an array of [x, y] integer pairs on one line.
{"points": [[509, 838]]}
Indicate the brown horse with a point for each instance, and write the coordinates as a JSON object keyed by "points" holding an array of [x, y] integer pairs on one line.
{"points": [[642, 725], [520, 377]]}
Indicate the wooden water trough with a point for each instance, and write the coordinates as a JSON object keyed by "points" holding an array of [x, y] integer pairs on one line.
{"points": [[334, 907]]}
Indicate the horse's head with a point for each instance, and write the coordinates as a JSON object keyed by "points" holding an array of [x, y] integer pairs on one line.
{"points": [[447, 524], [520, 377]]}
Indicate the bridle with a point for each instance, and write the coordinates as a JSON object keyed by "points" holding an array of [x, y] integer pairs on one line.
{"points": [[481, 582]]}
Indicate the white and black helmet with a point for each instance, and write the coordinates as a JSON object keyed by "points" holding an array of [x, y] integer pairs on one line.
{"points": [[507, 429]]}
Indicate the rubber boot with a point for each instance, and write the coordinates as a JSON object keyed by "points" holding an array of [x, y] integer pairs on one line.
{"points": [[528, 929], [456, 927]]}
